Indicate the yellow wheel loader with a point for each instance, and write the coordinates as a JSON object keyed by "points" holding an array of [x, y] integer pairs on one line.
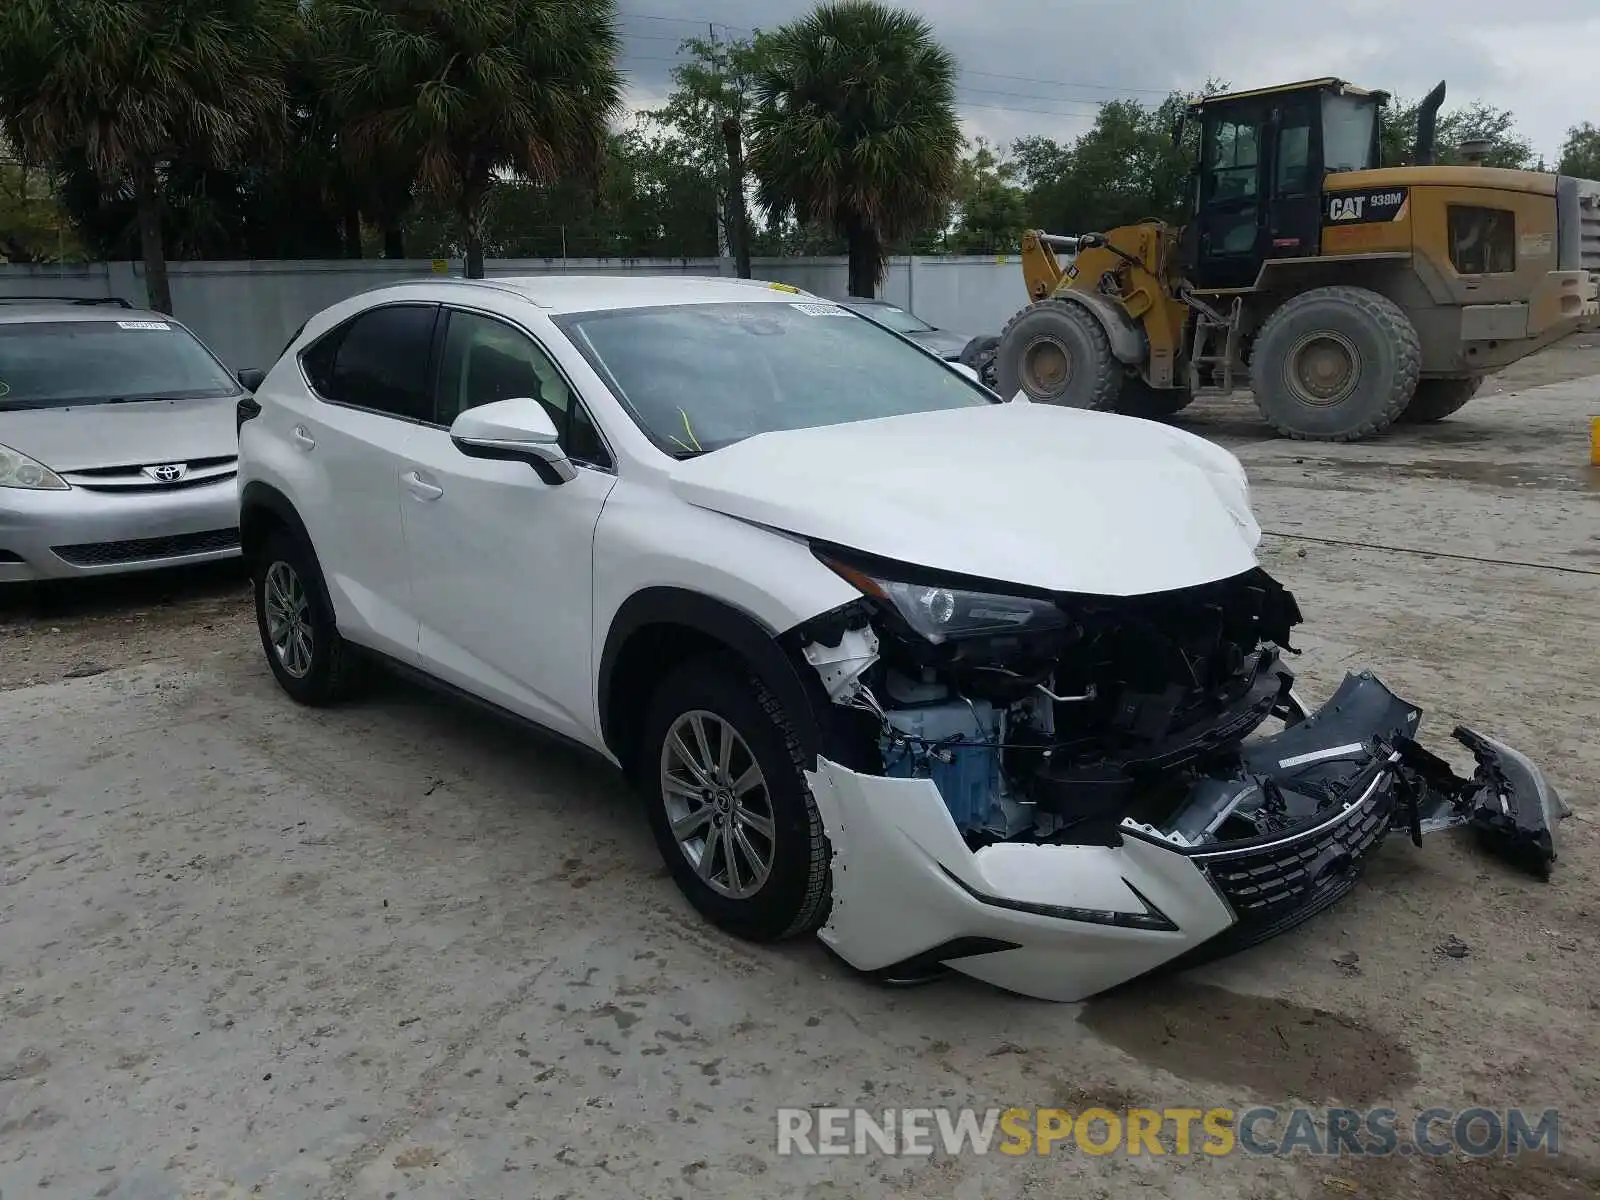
{"points": [[1344, 294]]}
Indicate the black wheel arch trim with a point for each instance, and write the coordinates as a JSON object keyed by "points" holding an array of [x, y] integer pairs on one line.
{"points": [[258, 496], [759, 645]]}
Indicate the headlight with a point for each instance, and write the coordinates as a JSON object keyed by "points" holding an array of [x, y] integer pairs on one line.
{"points": [[944, 613], [17, 470]]}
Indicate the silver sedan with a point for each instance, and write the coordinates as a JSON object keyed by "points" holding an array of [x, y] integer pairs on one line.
{"points": [[118, 443]]}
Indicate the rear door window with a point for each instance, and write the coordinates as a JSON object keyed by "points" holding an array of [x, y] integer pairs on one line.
{"points": [[378, 361]]}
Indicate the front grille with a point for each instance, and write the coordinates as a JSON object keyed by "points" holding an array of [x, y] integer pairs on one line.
{"points": [[133, 487], [1275, 887], [101, 554], [131, 479]]}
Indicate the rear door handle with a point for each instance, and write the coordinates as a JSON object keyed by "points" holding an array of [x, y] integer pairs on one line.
{"points": [[420, 487], [302, 438]]}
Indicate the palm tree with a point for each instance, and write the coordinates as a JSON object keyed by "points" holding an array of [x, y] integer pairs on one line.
{"points": [[134, 85], [856, 127], [476, 89]]}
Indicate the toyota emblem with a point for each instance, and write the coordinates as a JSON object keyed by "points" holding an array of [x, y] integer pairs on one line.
{"points": [[167, 472]]}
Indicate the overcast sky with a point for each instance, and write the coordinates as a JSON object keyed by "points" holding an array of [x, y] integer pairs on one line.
{"points": [[1041, 66]]}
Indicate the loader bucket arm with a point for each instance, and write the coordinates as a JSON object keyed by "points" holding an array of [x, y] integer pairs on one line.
{"points": [[1041, 270]]}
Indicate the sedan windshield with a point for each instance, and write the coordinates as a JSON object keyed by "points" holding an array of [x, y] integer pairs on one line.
{"points": [[697, 377], [53, 364]]}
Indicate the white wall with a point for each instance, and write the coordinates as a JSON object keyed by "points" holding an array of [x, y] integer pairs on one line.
{"points": [[246, 311]]}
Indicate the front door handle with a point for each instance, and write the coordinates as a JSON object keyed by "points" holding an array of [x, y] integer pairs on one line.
{"points": [[421, 488], [303, 438]]}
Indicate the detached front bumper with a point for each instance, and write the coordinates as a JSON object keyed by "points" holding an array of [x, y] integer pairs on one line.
{"points": [[1063, 921]]}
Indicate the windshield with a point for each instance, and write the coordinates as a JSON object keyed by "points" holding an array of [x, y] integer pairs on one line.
{"points": [[52, 364], [897, 319], [697, 377], [1347, 127]]}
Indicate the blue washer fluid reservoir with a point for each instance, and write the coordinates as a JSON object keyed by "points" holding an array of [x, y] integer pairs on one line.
{"points": [[968, 736]]}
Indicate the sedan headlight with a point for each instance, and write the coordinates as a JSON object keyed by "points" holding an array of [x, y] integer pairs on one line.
{"points": [[17, 470], [942, 614]]}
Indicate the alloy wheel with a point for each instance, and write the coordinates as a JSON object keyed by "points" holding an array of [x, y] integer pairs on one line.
{"points": [[717, 804], [288, 619]]}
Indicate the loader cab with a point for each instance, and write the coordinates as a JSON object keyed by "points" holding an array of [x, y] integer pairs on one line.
{"points": [[1258, 183]]}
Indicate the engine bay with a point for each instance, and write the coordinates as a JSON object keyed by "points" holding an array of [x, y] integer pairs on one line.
{"points": [[1084, 720]]}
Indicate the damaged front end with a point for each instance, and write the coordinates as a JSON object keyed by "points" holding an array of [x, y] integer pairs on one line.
{"points": [[1057, 793]]}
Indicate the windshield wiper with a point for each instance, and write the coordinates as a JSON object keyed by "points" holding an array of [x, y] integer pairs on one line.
{"points": [[139, 397]]}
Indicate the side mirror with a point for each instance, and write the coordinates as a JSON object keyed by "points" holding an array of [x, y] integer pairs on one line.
{"points": [[517, 430], [251, 378], [970, 372]]}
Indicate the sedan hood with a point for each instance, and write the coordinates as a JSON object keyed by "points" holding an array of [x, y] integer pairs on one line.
{"points": [[942, 342], [1053, 498], [136, 434]]}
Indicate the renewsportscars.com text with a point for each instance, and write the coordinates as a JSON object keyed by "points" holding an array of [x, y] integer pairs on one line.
{"points": [[1329, 1132]]}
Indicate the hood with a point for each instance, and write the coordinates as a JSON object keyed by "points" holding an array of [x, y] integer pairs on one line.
{"points": [[138, 433], [1054, 498], [942, 342]]}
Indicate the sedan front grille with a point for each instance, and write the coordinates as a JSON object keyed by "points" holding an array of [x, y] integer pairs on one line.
{"points": [[102, 554]]}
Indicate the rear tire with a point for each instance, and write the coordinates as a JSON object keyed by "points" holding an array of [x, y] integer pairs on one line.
{"points": [[1335, 364], [1436, 399], [776, 819], [298, 633], [1055, 352], [979, 355]]}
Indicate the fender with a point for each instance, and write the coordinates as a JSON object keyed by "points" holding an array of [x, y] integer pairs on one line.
{"points": [[255, 498], [1126, 336], [733, 627]]}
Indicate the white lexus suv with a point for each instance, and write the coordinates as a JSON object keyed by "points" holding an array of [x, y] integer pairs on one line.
{"points": [[955, 682]]}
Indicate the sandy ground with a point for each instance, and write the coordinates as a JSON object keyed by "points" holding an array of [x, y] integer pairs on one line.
{"points": [[394, 950]]}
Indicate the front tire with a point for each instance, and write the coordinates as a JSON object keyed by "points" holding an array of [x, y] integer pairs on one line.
{"points": [[1055, 352], [1335, 364], [308, 657], [1436, 399], [727, 800]]}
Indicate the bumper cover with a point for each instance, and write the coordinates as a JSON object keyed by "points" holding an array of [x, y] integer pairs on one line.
{"points": [[81, 532], [1065, 921]]}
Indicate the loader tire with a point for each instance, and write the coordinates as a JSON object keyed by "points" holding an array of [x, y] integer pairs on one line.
{"points": [[1055, 352], [1436, 399], [979, 355], [1335, 364], [1139, 399]]}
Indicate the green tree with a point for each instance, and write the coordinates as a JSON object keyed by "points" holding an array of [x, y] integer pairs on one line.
{"points": [[478, 90], [135, 85], [991, 208], [704, 121], [856, 127], [1497, 126], [1580, 153], [33, 226], [1124, 169], [651, 203], [1127, 167]]}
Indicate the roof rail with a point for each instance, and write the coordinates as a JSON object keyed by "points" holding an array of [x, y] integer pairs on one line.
{"points": [[117, 300]]}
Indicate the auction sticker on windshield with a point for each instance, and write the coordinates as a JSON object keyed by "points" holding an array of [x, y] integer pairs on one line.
{"points": [[143, 325], [819, 310]]}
